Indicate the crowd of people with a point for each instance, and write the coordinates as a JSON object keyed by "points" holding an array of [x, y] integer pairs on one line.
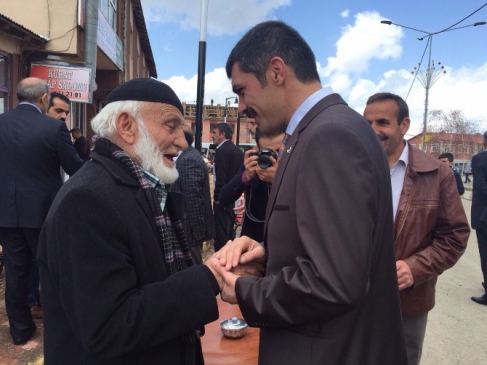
{"points": [[332, 270]]}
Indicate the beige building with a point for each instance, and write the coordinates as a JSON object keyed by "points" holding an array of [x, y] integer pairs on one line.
{"points": [[83, 48]]}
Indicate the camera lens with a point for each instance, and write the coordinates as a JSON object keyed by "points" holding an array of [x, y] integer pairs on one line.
{"points": [[264, 161]]}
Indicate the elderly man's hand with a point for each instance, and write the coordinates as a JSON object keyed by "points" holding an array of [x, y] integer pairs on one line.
{"points": [[241, 250], [227, 292]]}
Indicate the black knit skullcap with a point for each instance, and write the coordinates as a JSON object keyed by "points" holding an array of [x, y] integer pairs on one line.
{"points": [[145, 89]]}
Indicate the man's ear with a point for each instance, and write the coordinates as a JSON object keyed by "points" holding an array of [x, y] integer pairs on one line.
{"points": [[276, 71], [405, 125], [126, 127]]}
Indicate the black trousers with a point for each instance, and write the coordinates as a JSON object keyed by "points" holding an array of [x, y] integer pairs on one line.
{"points": [[224, 223], [482, 242], [19, 248]]}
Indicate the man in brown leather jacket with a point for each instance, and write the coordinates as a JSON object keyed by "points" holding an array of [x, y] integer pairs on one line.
{"points": [[430, 225]]}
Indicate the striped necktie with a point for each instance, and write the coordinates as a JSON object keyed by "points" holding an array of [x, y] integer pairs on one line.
{"points": [[283, 145]]}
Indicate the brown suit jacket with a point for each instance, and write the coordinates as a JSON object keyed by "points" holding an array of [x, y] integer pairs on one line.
{"points": [[329, 295]]}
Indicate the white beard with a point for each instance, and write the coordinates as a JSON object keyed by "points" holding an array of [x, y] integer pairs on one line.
{"points": [[151, 158]]}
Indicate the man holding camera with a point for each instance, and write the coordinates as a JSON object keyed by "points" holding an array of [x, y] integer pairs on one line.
{"points": [[254, 179], [228, 159]]}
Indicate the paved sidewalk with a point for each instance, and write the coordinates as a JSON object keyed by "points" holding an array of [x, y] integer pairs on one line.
{"points": [[455, 335]]}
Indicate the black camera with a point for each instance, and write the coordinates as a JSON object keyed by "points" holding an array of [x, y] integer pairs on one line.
{"points": [[265, 155]]}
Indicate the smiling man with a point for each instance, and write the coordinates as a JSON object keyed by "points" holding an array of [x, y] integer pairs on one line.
{"points": [[121, 289], [329, 293], [431, 228]]}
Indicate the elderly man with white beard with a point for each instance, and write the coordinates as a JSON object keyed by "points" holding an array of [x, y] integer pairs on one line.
{"points": [[116, 274]]}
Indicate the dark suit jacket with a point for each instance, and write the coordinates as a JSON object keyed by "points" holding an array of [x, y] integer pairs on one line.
{"points": [[256, 197], [228, 159], [82, 146], [479, 197], [193, 183], [459, 181], [33, 148], [106, 294], [329, 294]]}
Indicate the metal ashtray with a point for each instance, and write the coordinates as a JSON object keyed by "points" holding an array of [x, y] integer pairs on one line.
{"points": [[233, 327]]}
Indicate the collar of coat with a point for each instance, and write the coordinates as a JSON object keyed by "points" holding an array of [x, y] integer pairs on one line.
{"points": [[102, 153], [420, 162]]}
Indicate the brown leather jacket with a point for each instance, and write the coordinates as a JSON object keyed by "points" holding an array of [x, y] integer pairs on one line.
{"points": [[431, 228]]}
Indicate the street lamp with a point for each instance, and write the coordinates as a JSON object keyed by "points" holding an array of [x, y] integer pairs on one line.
{"points": [[226, 106], [430, 70]]}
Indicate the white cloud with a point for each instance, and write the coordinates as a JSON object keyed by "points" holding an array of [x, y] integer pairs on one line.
{"points": [[347, 72], [345, 13], [217, 87], [362, 42], [224, 17]]}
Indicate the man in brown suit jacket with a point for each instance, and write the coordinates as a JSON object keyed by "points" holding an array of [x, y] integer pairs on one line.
{"points": [[329, 294]]}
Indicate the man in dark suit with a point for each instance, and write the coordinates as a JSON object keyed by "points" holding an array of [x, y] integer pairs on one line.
{"points": [[81, 144], [329, 294], [228, 159], [193, 183], [479, 212], [447, 158], [33, 147]]}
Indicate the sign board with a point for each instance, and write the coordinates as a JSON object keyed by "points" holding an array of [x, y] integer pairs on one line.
{"points": [[70, 81]]}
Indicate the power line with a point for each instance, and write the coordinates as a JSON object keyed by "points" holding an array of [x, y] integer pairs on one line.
{"points": [[468, 16], [419, 66]]}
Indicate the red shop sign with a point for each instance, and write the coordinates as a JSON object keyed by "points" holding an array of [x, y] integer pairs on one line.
{"points": [[70, 81]]}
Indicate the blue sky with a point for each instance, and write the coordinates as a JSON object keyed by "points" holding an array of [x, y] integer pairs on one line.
{"points": [[356, 54]]}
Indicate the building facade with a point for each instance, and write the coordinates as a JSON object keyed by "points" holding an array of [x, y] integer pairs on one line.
{"points": [[214, 114], [462, 146], [82, 48]]}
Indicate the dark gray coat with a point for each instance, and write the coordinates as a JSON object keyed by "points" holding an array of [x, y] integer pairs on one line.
{"points": [[193, 183]]}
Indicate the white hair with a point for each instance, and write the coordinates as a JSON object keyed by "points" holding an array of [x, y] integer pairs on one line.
{"points": [[103, 123]]}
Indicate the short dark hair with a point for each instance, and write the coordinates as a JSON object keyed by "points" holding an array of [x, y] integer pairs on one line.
{"points": [[56, 94], [273, 39], [259, 134], [447, 155], [188, 134], [485, 137], [402, 107], [73, 130], [225, 128]]}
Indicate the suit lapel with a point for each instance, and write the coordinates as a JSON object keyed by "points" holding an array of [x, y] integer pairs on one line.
{"points": [[323, 104]]}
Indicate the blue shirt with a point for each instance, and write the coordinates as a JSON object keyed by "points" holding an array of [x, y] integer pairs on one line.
{"points": [[305, 107]]}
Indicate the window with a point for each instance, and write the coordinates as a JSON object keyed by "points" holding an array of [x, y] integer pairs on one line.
{"points": [[435, 147], [447, 148], [462, 149], [109, 10], [3, 83]]}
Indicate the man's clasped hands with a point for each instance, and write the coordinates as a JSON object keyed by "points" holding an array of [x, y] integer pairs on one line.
{"points": [[241, 257]]}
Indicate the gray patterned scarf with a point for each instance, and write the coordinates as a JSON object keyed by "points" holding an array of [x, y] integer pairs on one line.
{"points": [[177, 256]]}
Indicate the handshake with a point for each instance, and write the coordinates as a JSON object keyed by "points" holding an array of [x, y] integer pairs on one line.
{"points": [[240, 257]]}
